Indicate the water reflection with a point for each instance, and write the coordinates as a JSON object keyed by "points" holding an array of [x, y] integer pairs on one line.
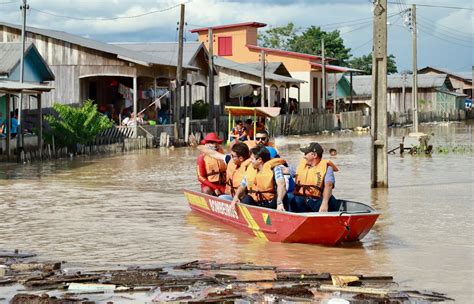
{"points": [[130, 209]]}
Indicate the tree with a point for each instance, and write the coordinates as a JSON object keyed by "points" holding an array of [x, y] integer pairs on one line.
{"points": [[309, 42], [364, 63], [278, 37], [76, 125]]}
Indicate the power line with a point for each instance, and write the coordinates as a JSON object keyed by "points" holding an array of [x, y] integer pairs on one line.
{"points": [[449, 30], [108, 19], [444, 39], [438, 6], [10, 2]]}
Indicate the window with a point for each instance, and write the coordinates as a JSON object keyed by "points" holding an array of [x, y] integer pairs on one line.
{"points": [[224, 47]]}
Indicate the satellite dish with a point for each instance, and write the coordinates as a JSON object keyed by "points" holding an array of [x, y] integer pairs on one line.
{"points": [[240, 90]]}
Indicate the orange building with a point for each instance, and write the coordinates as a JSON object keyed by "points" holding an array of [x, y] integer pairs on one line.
{"points": [[238, 42]]}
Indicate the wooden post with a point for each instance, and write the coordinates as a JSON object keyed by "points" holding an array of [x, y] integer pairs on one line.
{"points": [[190, 102], [379, 158], [323, 55], [135, 105], [350, 103], [262, 79], [210, 88], [179, 72], [415, 71], [334, 95], [40, 126], [8, 125]]}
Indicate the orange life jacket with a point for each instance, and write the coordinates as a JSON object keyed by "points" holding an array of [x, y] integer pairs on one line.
{"points": [[261, 185], [215, 170], [309, 181], [235, 175]]}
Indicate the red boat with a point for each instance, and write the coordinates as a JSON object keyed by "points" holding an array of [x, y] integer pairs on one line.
{"points": [[351, 223]]}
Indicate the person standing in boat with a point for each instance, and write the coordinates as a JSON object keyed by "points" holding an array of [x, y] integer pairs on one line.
{"points": [[211, 172], [263, 182], [314, 181]]}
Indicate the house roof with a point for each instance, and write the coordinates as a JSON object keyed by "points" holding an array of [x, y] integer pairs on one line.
{"points": [[271, 67], [466, 76], [226, 26], [166, 50], [247, 69], [362, 85], [286, 53], [10, 53], [120, 52], [17, 87], [335, 68]]}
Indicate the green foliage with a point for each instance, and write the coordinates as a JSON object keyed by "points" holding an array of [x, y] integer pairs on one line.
{"points": [[200, 110], [76, 125], [278, 37], [364, 63], [309, 41]]}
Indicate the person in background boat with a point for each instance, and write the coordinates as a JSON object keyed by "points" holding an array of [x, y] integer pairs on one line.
{"points": [[237, 162], [248, 125], [314, 181], [211, 172], [239, 132], [263, 184]]}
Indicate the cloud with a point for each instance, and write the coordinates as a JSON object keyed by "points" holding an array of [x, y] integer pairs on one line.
{"points": [[435, 23]]}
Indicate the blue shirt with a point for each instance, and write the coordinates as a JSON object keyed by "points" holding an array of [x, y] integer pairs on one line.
{"points": [[329, 178]]}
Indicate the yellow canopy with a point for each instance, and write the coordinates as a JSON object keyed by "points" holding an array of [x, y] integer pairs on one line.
{"points": [[253, 111]]}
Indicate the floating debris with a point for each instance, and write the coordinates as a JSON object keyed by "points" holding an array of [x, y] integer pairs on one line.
{"points": [[198, 281]]}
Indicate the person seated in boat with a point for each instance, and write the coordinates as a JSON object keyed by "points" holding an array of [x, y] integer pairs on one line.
{"points": [[263, 184], [314, 181], [237, 162], [261, 137], [238, 132], [211, 172]]}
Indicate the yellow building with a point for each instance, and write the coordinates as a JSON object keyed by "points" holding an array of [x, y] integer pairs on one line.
{"points": [[238, 42]]}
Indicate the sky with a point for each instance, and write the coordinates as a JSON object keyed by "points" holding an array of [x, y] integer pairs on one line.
{"points": [[445, 35]]}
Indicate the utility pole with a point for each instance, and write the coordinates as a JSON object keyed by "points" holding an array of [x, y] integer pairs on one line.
{"points": [[378, 130], [179, 73], [323, 55], [414, 90], [19, 139], [262, 80], [210, 38]]}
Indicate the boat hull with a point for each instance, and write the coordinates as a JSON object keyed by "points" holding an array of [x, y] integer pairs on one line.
{"points": [[352, 223]]}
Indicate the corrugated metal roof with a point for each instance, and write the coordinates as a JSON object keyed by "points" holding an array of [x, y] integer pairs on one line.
{"points": [[362, 85], [9, 56], [464, 75], [241, 67], [122, 53], [16, 87], [10, 53], [270, 67], [166, 50]]}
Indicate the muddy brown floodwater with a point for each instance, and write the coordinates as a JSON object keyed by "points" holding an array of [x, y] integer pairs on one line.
{"points": [[129, 209]]}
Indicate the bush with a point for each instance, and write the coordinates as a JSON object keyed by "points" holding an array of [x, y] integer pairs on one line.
{"points": [[75, 125], [200, 110]]}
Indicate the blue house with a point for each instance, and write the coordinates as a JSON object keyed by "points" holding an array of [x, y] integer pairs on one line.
{"points": [[36, 74]]}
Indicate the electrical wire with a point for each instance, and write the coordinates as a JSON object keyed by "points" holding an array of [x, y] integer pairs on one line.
{"points": [[10, 2], [108, 19], [450, 31], [438, 6]]}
